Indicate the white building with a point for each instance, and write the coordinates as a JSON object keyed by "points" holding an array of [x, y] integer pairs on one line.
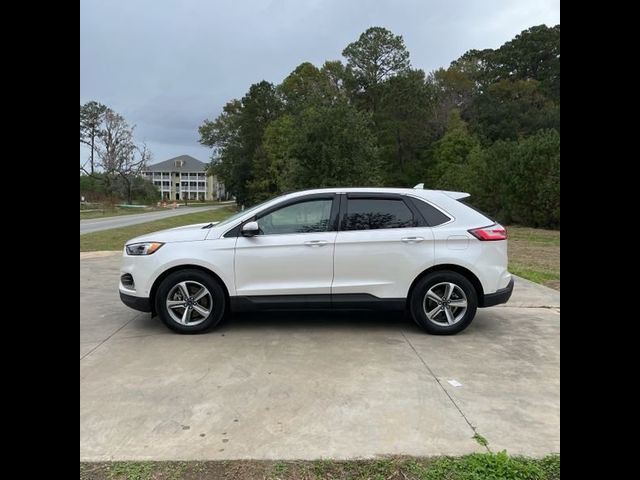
{"points": [[184, 178]]}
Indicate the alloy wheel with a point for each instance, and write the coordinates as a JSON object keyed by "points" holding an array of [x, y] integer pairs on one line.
{"points": [[445, 304], [189, 303]]}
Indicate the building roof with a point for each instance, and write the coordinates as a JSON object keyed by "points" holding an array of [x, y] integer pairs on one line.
{"points": [[183, 163]]}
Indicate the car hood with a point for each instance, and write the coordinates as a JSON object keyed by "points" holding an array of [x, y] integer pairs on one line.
{"points": [[186, 233]]}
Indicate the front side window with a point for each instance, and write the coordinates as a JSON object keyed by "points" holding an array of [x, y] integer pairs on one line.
{"points": [[304, 217], [377, 213]]}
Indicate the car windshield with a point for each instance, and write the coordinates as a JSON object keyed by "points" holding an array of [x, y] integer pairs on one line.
{"points": [[244, 212]]}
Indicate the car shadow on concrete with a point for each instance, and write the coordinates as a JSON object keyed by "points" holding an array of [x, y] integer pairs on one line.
{"points": [[489, 322], [317, 320], [292, 321]]}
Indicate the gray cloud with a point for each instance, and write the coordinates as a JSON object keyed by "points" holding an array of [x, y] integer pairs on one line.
{"points": [[168, 65]]}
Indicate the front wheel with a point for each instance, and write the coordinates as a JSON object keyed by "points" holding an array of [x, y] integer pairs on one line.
{"points": [[443, 303], [190, 301]]}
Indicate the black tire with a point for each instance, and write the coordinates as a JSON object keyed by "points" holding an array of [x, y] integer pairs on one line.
{"points": [[416, 302], [217, 297]]}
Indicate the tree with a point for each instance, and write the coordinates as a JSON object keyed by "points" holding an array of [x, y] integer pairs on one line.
{"points": [[236, 136], [306, 85], [376, 56], [273, 163], [403, 126], [223, 135], [119, 156], [91, 116], [487, 124], [534, 54], [322, 147], [510, 109], [451, 156], [512, 91], [454, 89], [518, 181], [533, 180]]}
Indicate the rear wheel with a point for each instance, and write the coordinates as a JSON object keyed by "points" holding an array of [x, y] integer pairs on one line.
{"points": [[190, 301], [444, 302]]}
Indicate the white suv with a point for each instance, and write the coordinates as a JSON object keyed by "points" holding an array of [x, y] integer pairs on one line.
{"points": [[340, 248]]}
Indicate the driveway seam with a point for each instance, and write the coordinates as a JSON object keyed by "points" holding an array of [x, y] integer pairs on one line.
{"points": [[102, 342], [506, 305], [475, 432]]}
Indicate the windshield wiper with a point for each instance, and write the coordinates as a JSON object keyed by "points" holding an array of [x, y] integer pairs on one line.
{"points": [[210, 225]]}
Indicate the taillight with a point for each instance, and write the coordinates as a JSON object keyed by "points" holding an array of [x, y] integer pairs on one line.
{"points": [[492, 232]]}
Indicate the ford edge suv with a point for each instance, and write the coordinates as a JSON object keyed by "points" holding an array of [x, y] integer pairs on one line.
{"points": [[423, 251]]}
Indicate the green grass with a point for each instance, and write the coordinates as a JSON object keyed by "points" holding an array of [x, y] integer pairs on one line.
{"points": [[103, 211], [534, 235], [115, 238], [113, 212], [480, 439], [534, 254], [537, 276], [279, 469], [480, 466]]}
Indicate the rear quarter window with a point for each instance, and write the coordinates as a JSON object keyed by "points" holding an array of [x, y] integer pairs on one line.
{"points": [[431, 214]]}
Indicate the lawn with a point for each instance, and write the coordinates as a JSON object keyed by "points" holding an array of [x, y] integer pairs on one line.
{"points": [[100, 211], [114, 239], [114, 212], [535, 255], [498, 466]]}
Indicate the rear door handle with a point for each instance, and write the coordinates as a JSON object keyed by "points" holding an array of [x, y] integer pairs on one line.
{"points": [[412, 239], [315, 243]]}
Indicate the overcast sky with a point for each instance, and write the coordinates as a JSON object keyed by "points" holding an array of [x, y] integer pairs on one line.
{"points": [[167, 65]]}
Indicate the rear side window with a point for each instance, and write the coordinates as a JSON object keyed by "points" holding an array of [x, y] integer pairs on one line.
{"points": [[377, 213], [431, 214]]}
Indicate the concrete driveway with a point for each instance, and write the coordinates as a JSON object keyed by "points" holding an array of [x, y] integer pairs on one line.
{"points": [[307, 386]]}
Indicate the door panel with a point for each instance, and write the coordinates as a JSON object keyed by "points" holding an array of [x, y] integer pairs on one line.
{"points": [[381, 248], [285, 264], [380, 262], [293, 255]]}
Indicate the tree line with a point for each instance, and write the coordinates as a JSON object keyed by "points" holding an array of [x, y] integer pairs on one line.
{"points": [[115, 161], [489, 124]]}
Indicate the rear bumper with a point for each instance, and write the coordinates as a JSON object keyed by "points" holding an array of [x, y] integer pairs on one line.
{"points": [[501, 296], [137, 303]]}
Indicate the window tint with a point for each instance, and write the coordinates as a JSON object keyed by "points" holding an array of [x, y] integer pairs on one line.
{"points": [[432, 215], [304, 217], [376, 213]]}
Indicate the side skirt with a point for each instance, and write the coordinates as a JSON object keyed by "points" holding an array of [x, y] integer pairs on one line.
{"points": [[342, 301]]}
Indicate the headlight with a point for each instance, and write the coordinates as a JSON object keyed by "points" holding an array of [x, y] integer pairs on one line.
{"points": [[144, 248]]}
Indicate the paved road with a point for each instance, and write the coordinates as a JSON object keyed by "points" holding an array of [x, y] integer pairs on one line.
{"points": [[97, 224], [314, 385]]}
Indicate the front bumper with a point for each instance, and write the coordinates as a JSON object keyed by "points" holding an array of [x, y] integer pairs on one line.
{"points": [[501, 296], [137, 303]]}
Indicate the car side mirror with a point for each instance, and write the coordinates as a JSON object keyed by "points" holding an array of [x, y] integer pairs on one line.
{"points": [[250, 229]]}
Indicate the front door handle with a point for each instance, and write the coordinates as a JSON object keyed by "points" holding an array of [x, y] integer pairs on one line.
{"points": [[412, 239], [315, 243]]}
